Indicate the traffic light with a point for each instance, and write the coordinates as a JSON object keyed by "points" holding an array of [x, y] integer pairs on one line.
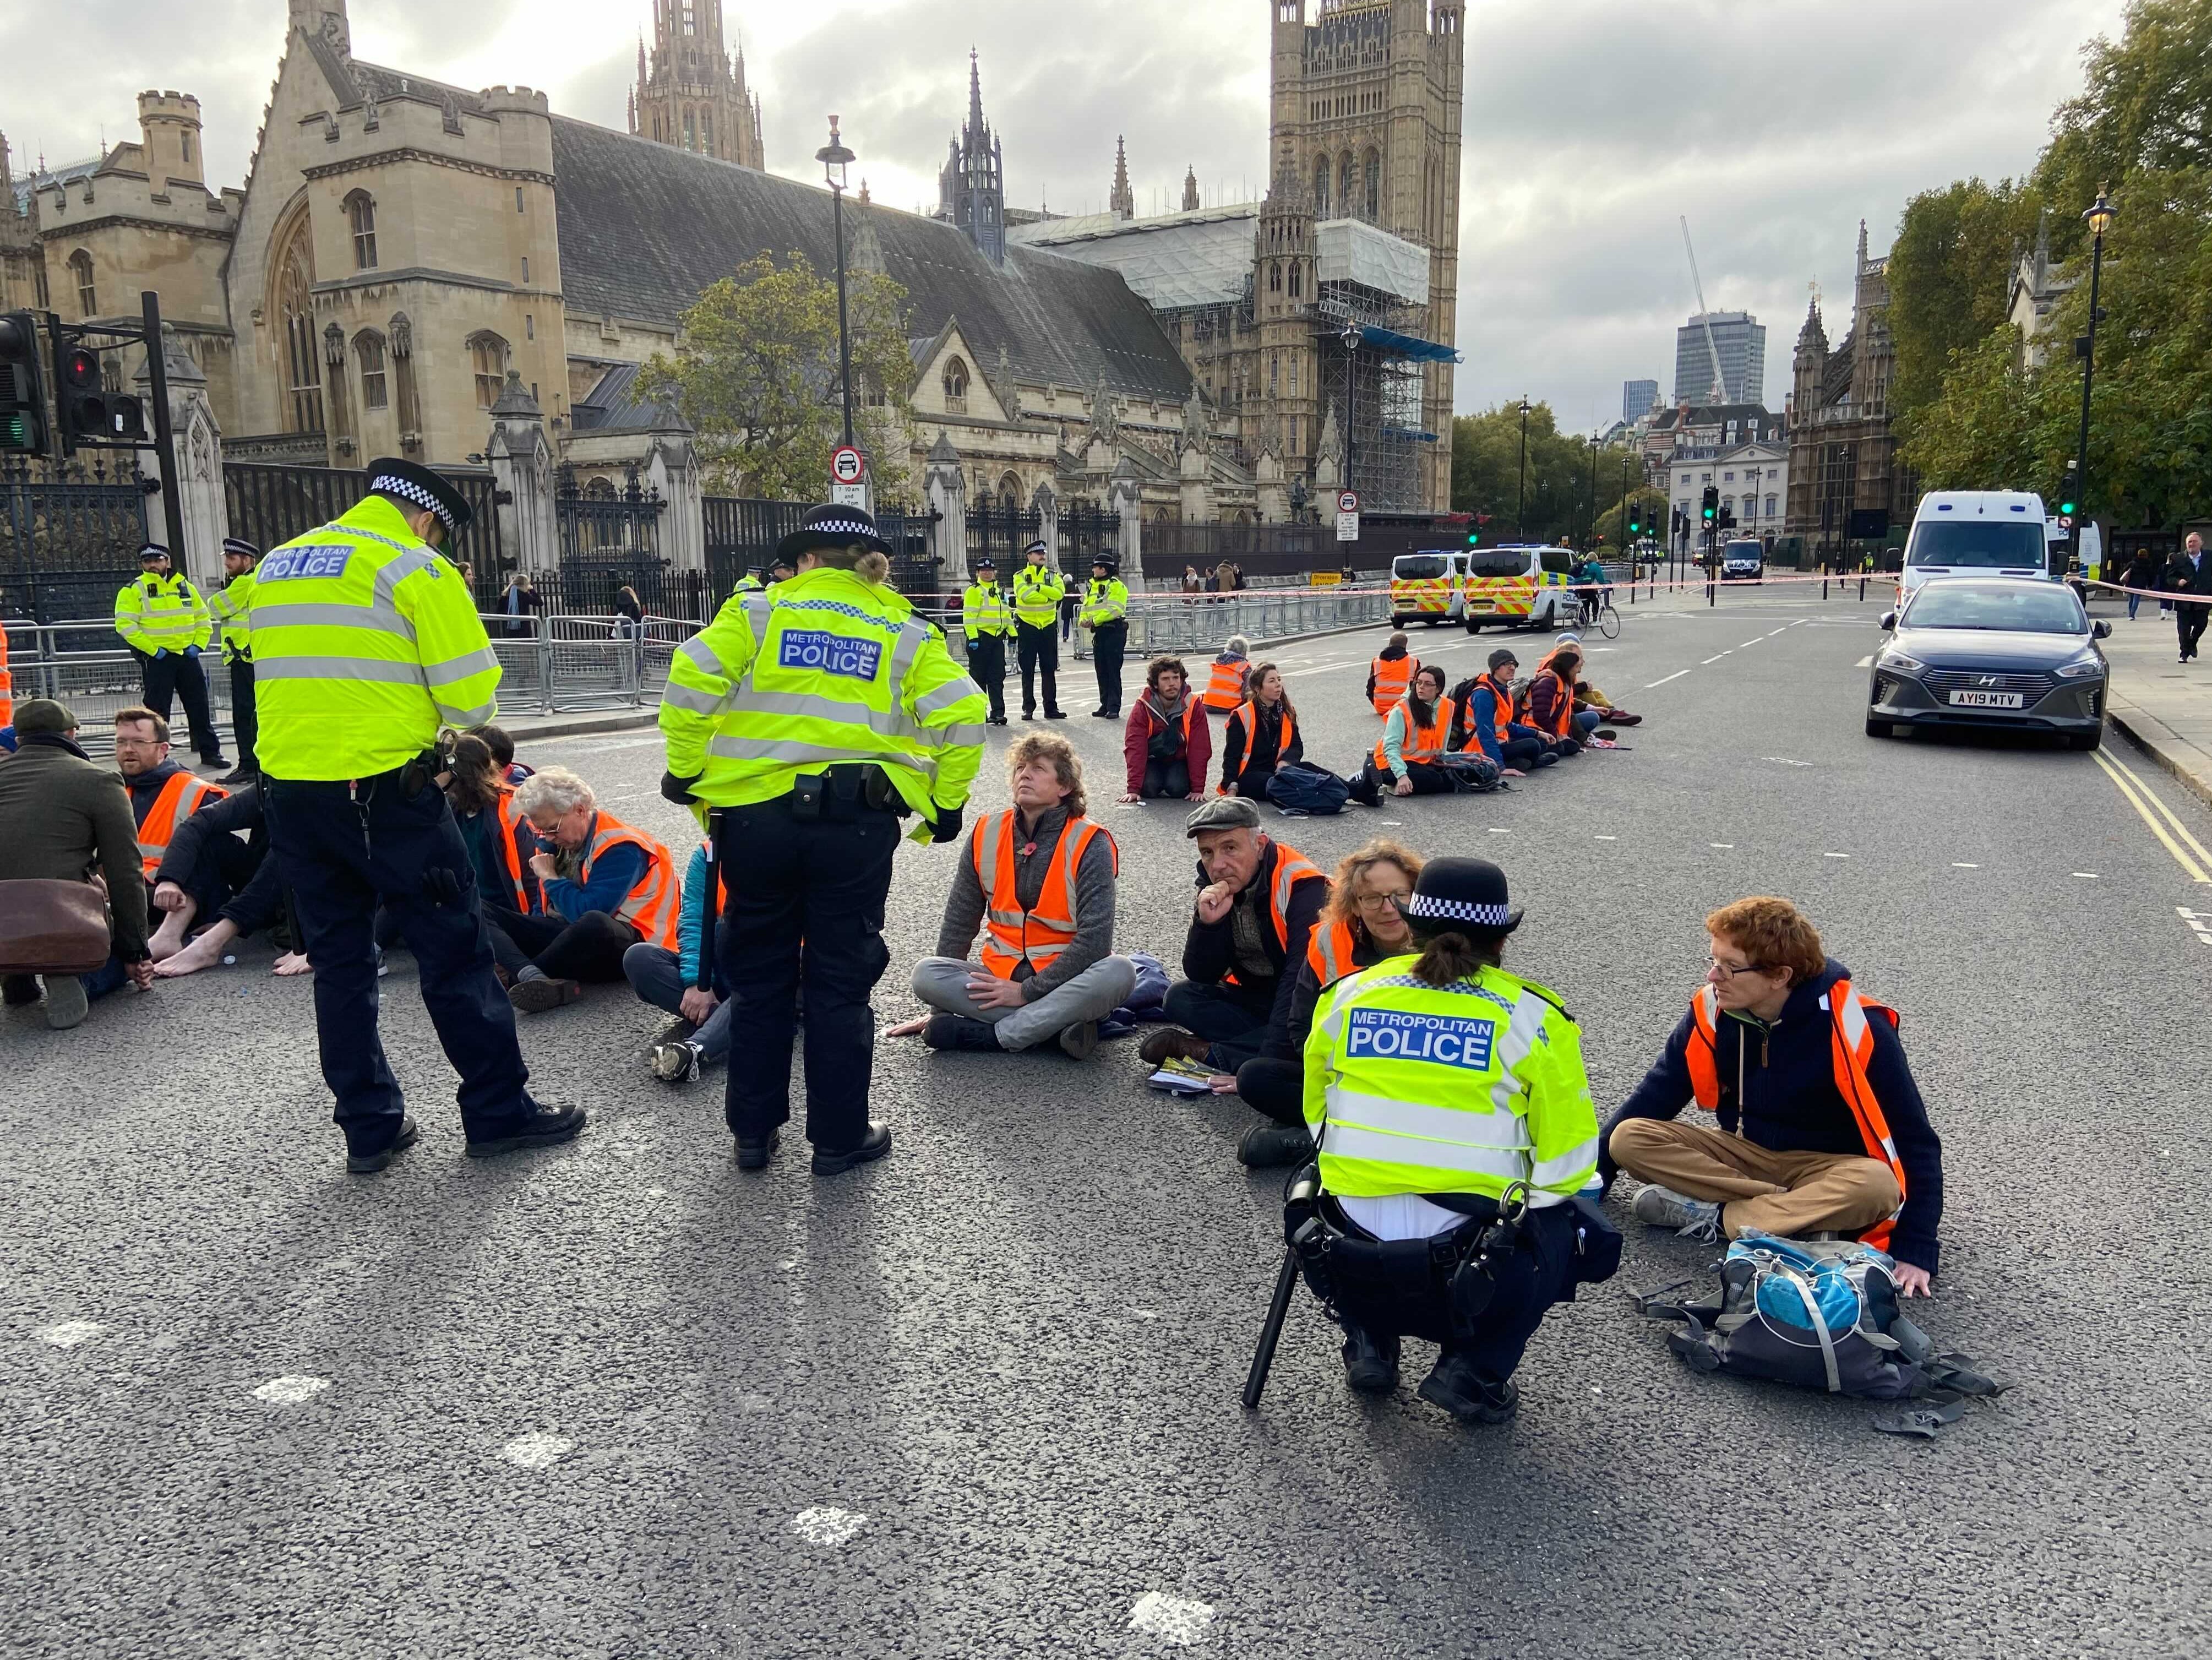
{"points": [[1473, 534], [86, 411], [2069, 490], [1635, 520], [1712, 502], [22, 393]]}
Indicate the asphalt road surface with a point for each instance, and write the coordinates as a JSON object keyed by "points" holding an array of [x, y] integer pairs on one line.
{"points": [[616, 1399]]}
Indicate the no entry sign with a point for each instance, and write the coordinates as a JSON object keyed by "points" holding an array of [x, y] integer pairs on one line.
{"points": [[846, 464]]}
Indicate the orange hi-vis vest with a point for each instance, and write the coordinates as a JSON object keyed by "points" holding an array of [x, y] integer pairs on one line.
{"points": [[1246, 717], [1329, 954], [1563, 707], [655, 904], [1013, 936], [1225, 687], [510, 826], [1419, 740], [1291, 867], [1393, 676], [181, 798], [7, 685], [1851, 1047], [1501, 707]]}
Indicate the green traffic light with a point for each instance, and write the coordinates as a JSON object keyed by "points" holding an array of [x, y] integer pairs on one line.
{"points": [[2066, 507]]}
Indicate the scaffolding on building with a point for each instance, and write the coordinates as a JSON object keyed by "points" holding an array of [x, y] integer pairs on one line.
{"points": [[1373, 377]]}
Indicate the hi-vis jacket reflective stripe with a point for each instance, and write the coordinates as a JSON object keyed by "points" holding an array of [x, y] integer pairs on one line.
{"points": [[521, 892], [1419, 741], [1038, 590], [1329, 954], [1850, 1043], [1225, 687], [227, 605], [1393, 675], [1012, 935], [181, 798], [1244, 720], [984, 613], [1466, 1088], [162, 612], [826, 668], [655, 904], [1104, 603], [365, 643]]}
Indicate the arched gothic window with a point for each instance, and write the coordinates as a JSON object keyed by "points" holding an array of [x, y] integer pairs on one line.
{"points": [[955, 386], [295, 316], [1347, 192], [1373, 198], [360, 214], [368, 347], [690, 133], [1274, 277], [1294, 279], [487, 362], [87, 299], [1010, 493], [1323, 169]]}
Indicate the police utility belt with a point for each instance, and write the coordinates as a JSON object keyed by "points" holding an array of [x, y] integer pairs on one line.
{"points": [[841, 794]]}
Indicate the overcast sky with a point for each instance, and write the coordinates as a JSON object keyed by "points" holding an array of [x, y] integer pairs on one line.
{"points": [[1775, 125]]}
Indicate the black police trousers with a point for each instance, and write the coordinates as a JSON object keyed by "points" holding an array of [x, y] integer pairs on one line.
{"points": [[1107, 642], [1413, 1303], [342, 847], [1039, 649], [822, 882], [986, 667], [244, 725], [172, 677]]}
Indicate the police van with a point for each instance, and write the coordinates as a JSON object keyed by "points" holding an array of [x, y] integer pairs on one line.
{"points": [[1519, 587], [1424, 586], [1975, 534]]}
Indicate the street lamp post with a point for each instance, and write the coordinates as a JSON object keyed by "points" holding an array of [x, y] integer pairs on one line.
{"points": [[1590, 531], [1350, 337], [2100, 215], [834, 159], [1521, 494]]}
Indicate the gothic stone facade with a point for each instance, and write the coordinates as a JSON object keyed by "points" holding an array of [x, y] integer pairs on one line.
{"points": [[691, 93], [1843, 453]]}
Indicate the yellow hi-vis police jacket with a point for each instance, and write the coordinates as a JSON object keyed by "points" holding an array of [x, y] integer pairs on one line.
{"points": [[984, 613], [1104, 602], [824, 670], [1038, 591], [153, 613], [1466, 1088], [228, 606], [365, 643]]}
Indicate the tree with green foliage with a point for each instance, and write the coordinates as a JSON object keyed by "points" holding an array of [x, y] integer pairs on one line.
{"points": [[1487, 477], [1950, 279], [755, 372]]}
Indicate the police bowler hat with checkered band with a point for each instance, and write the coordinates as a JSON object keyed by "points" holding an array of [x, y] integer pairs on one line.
{"points": [[1464, 891], [833, 527], [416, 485]]}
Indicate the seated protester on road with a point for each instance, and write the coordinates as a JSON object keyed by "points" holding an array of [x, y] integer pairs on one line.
{"points": [[206, 862], [669, 980], [1609, 713], [1262, 734], [1407, 759], [1771, 1041], [1433, 1085], [61, 815], [1258, 902], [1482, 718], [499, 838], [1167, 744], [1038, 880], [163, 794], [262, 903], [1547, 702], [606, 887], [1390, 676], [1224, 685], [1363, 923], [502, 751]]}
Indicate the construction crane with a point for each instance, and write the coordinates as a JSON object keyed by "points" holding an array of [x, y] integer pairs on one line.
{"points": [[1720, 381]]}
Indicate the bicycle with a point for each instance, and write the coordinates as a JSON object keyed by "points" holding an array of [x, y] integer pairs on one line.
{"points": [[1598, 612]]}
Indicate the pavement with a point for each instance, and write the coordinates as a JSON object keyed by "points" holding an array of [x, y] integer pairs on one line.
{"points": [[981, 1399], [2162, 704]]}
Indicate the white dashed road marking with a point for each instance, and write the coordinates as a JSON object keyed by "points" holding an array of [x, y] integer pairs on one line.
{"points": [[69, 1333], [825, 1524], [1835, 855], [1960, 864], [1715, 657], [1723, 846], [1865, 662], [1609, 838], [290, 1390], [1171, 1619], [1495, 829], [2086, 875], [535, 1450], [1656, 684], [1784, 761], [2197, 925]]}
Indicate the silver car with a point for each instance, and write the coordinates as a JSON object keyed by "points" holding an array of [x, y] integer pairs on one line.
{"points": [[1993, 652]]}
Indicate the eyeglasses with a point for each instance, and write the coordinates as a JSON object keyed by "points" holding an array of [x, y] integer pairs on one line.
{"points": [[1384, 901], [123, 743], [1714, 965]]}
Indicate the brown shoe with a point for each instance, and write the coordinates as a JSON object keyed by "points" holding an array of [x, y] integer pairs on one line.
{"points": [[1167, 1041], [536, 996]]}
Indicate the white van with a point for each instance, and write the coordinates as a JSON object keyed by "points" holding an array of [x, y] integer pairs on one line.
{"points": [[1975, 534]]}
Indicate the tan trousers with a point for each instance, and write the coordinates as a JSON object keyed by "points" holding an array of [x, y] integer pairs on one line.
{"points": [[1786, 1193]]}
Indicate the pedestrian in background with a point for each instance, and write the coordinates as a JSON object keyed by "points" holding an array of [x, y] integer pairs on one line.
{"points": [[522, 604], [2190, 573], [2143, 571]]}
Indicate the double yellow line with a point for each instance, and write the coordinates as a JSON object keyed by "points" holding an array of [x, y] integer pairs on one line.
{"points": [[2188, 851]]}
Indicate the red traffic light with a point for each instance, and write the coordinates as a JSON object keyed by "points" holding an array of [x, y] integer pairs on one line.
{"points": [[79, 369]]}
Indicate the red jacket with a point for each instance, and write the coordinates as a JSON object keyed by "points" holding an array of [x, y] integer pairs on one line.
{"points": [[1137, 740]]}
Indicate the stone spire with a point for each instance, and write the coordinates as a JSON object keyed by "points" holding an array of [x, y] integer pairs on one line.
{"points": [[1190, 191], [1123, 202], [971, 185]]}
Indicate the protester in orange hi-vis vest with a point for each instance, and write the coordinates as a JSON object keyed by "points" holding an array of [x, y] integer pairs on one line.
{"points": [[1820, 1127], [1037, 882], [1224, 686], [606, 886], [7, 685], [1408, 758], [163, 794], [1262, 734], [1390, 676]]}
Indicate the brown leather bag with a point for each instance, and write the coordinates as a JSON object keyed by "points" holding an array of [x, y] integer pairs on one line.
{"points": [[53, 927]]}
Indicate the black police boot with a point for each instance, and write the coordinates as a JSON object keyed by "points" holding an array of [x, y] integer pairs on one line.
{"points": [[1455, 1386], [363, 1163], [1268, 1146], [544, 1125], [754, 1155], [1371, 1362], [873, 1145], [957, 1031]]}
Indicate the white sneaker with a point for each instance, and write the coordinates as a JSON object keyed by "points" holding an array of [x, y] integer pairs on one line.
{"points": [[1694, 1218]]}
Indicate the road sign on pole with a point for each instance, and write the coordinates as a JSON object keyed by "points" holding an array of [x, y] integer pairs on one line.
{"points": [[1347, 515], [848, 473]]}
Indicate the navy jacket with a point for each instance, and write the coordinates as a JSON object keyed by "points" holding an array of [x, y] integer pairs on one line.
{"points": [[1779, 1082], [1209, 950]]}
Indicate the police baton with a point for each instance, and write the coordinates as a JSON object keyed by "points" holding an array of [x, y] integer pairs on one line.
{"points": [[1263, 1358], [711, 908]]}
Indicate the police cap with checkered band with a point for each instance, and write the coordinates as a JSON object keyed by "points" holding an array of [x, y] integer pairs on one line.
{"points": [[833, 527], [1463, 891], [415, 484]]}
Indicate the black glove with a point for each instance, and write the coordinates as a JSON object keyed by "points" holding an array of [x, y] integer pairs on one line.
{"points": [[678, 790], [441, 885], [945, 827]]}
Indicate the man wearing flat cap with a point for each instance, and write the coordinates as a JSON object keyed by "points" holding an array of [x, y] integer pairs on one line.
{"points": [[808, 721], [366, 642]]}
